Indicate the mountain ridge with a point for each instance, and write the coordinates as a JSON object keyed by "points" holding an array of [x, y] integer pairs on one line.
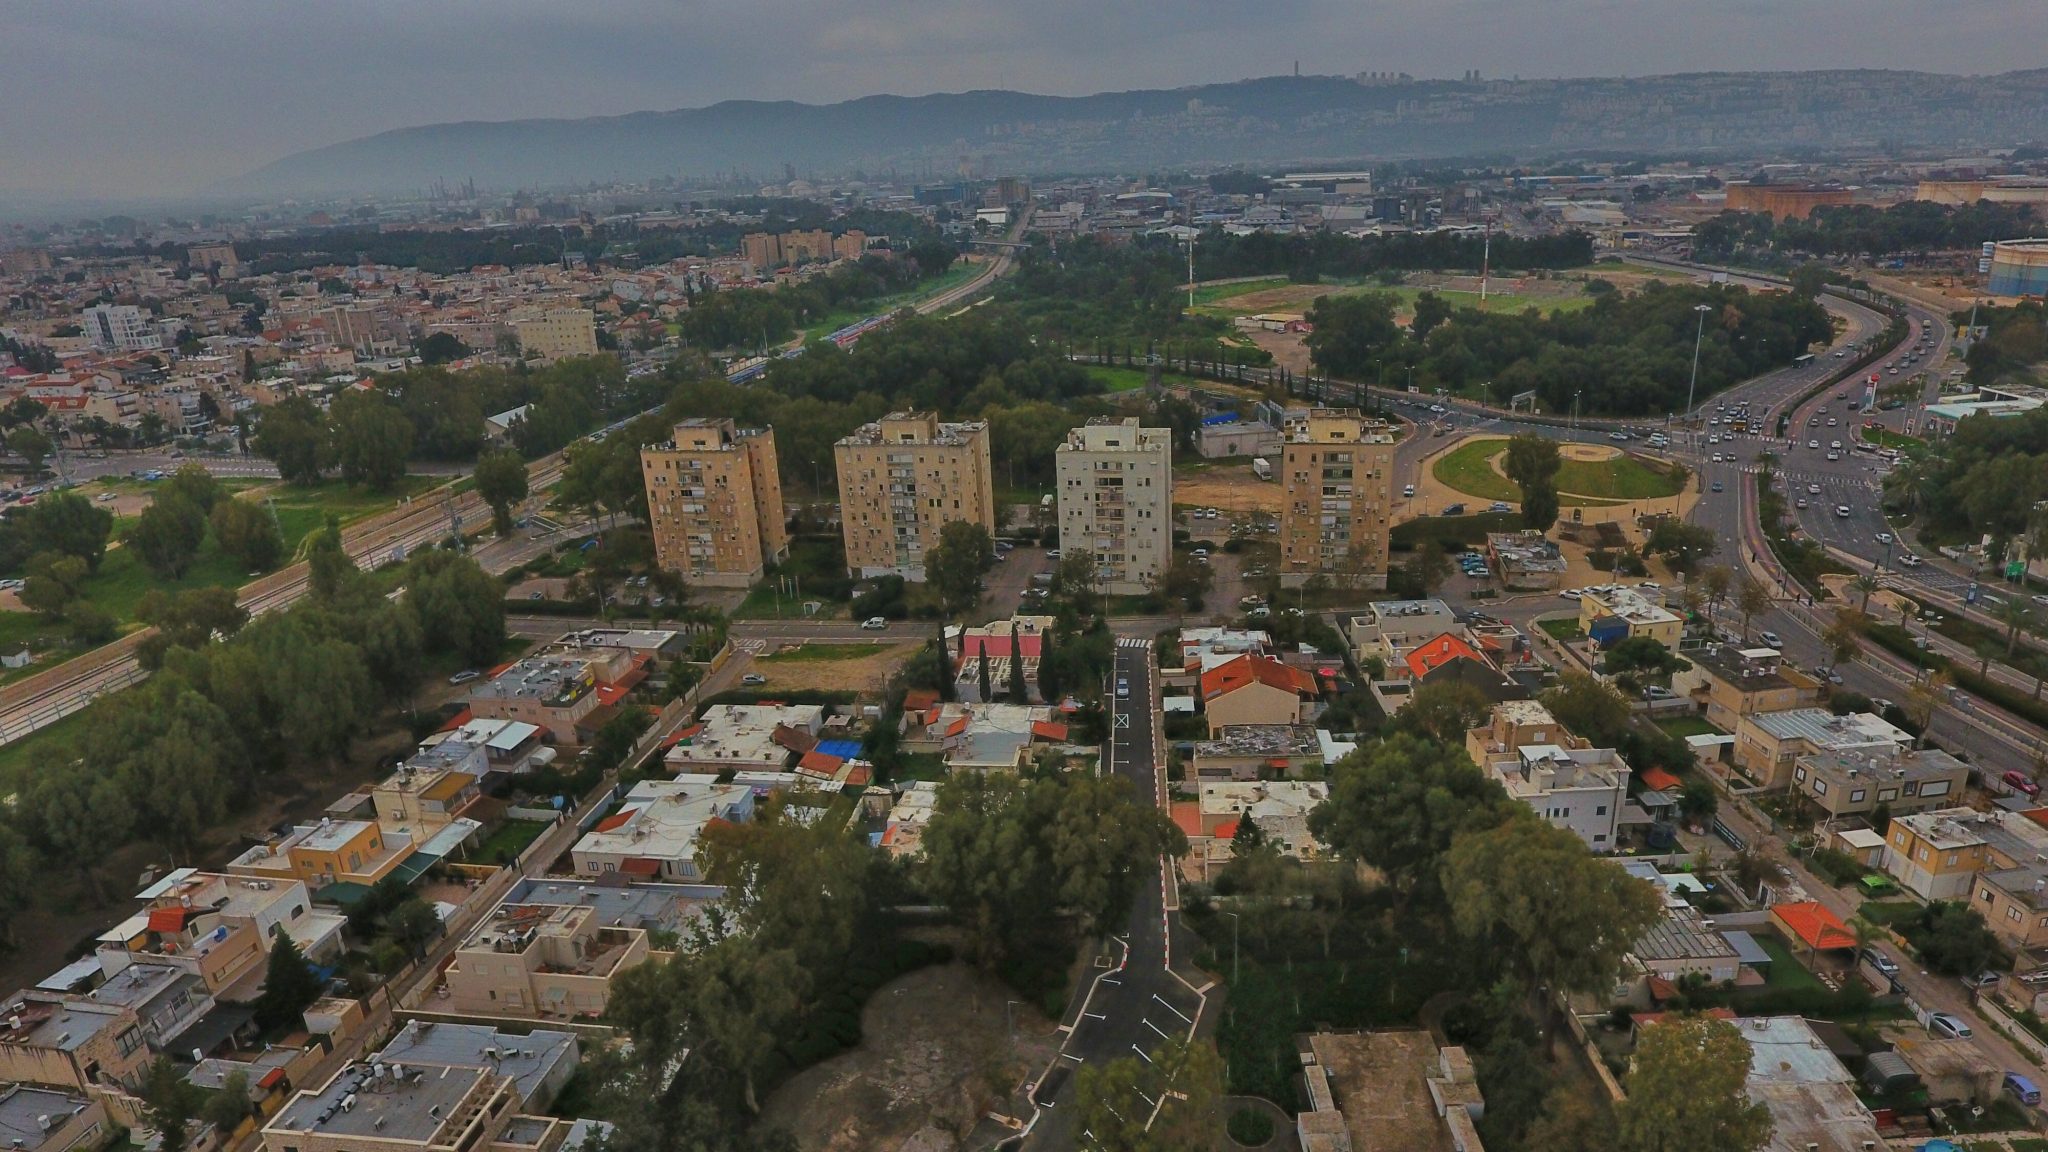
{"points": [[1261, 120]]}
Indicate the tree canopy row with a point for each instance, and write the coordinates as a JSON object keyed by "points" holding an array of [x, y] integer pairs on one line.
{"points": [[1862, 230]]}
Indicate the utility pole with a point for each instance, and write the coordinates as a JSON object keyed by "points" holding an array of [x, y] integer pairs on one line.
{"points": [[1485, 262], [1697, 336]]}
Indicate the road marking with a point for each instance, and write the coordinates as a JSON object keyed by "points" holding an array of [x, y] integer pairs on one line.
{"points": [[1171, 1008], [1095, 1015], [1064, 1028], [1107, 980], [1074, 1058], [1155, 1028], [1123, 719], [1141, 1052]]}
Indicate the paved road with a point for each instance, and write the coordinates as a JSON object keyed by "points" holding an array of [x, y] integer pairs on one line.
{"points": [[1138, 1005]]}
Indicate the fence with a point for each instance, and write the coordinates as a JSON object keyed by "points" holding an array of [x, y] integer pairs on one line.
{"points": [[2021, 1037]]}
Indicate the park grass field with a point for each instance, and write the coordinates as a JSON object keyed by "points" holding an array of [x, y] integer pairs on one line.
{"points": [[1471, 469]]}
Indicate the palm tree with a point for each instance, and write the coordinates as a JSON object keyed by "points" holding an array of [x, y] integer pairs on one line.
{"points": [[1845, 637], [1866, 584], [1752, 596], [2015, 614]]}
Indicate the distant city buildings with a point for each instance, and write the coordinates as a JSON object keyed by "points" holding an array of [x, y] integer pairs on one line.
{"points": [[120, 328], [554, 333]]}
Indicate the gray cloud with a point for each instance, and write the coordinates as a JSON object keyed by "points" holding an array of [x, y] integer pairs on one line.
{"points": [[128, 97]]}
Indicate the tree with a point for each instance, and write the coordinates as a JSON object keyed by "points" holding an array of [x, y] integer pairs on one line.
{"points": [[954, 568], [1952, 938], [1865, 584], [69, 523], [193, 483], [187, 619], [1681, 545], [1428, 567], [54, 581], [247, 533], [32, 446], [372, 439], [501, 481], [1569, 933], [1686, 1091], [1698, 801], [1752, 598], [457, 605], [1351, 332], [1184, 580], [293, 434], [228, 1107], [981, 658], [1923, 696], [1396, 804], [1809, 279], [1019, 694], [20, 874], [1588, 708], [289, 985], [413, 925], [168, 535], [2015, 614], [169, 1104], [1532, 462], [1715, 583], [1443, 711], [1431, 310], [1642, 660], [1571, 1121], [1844, 637], [441, 348]]}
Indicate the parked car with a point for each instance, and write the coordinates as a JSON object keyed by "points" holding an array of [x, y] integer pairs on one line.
{"points": [[1497, 506], [1881, 962], [1770, 638], [2021, 782], [1123, 688], [1949, 1026], [2021, 1089], [753, 678], [464, 676], [1452, 510]]}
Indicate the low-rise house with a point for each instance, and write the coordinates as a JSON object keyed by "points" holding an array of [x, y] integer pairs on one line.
{"points": [[435, 787], [981, 737], [903, 834], [1019, 639], [1615, 614], [44, 1120], [404, 1109], [654, 833], [1279, 808], [1257, 751], [509, 745], [538, 1063], [1904, 780], [332, 851], [167, 996], [1735, 682], [1527, 561], [71, 1042], [1390, 629], [558, 692], [1811, 1097], [1683, 943], [1766, 743], [1516, 724], [188, 908], [747, 737], [1578, 789], [1256, 690], [1387, 1090], [1935, 855]]}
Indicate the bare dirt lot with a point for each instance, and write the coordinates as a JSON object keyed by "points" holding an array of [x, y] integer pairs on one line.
{"points": [[1231, 488], [863, 668], [934, 1055]]}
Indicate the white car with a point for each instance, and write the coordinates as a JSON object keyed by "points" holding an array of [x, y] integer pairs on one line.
{"points": [[1569, 594], [1884, 537], [1813, 489], [753, 678], [1813, 443], [874, 624]]}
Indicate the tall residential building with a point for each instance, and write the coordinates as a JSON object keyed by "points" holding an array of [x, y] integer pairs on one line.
{"points": [[555, 333], [1116, 499], [120, 328], [762, 249], [715, 500], [1338, 468], [902, 480]]}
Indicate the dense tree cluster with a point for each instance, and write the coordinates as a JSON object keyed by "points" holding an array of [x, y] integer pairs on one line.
{"points": [[1987, 478], [759, 318], [1864, 230], [2017, 340], [1626, 355]]}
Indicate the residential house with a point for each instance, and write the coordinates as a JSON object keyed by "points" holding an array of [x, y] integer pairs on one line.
{"points": [[1279, 809], [1390, 629], [355, 851], [747, 737], [406, 1109], [901, 481], [1526, 561], [1735, 682], [980, 737], [1614, 614], [654, 833], [427, 794], [1581, 790], [1337, 471], [1811, 1096], [1935, 855], [1256, 752], [1261, 690], [1115, 484], [539, 1063], [1904, 780], [71, 1042], [45, 1120], [1387, 1090], [558, 692], [714, 498], [1766, 743], [1683, 943], [1517, 724], [552, 947], [1020, 638]]}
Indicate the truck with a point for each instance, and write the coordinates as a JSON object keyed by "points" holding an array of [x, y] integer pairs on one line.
{"points": [[1262, 468]]}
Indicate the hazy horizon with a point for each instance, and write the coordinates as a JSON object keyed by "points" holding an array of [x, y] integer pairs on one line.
{"points": [[127, 99]]}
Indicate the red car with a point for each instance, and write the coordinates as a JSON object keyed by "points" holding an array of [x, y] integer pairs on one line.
{"points": [[2020, 781]]}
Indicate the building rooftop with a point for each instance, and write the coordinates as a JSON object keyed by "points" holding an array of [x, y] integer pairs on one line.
{"points": [[555, 681], [1946, 829], [1680, 935], [413, 1106], [1925, 764], [526, 1060], [64, 1025], [661, 819], [1631, 604], [1750, 669], [617, 902], [747, 733], [1825, 730], [1812, 1098], [913, 429], [23, 1111], [1273, 740]]}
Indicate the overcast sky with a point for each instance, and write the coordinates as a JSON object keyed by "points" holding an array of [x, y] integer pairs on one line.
{"points": [[127, 97]]}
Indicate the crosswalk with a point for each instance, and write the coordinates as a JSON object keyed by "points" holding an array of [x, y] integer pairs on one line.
{"points": [[1132, 642]]}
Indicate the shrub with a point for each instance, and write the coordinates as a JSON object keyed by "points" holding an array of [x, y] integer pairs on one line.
{"points": [[1250, 1127]]}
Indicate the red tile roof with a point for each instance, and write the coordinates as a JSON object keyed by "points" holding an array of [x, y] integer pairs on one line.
{"points": [[1048, 730], [1437, 652], [1243, 671], [615, 821], [919, 699], [458, 720], [821, 763], [858, 776], [1187, 814], [998, 646], [1814, 925], [1660, 780], [168, 919]]}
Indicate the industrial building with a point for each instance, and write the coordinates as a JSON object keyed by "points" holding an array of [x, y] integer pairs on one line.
{"points": [[1786, 201], [2019, 268]]}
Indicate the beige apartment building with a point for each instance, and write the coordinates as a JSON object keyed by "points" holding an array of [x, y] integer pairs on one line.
{"points": [[1116, 500], [715, 501], [1338, 470], [901, 481], [554, 333]]}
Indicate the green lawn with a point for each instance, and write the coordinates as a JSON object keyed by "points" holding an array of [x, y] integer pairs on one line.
{"points": [[301, 510], [1116, 378], [823, 326], [508, 840], [1222, 299], [1886, 438], [1683, 726], [1210, 294], [1785, 971], [1888, 913], [1561, 629], [1469, 468]]}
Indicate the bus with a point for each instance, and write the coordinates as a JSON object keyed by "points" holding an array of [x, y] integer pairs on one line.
{"points": [[1802, 361]]}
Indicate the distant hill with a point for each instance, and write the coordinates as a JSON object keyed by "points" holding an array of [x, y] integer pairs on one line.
{"points": [[1265, 121]]}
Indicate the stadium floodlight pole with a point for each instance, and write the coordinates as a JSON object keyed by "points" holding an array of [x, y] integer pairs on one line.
{"points": [[1697, 337]]}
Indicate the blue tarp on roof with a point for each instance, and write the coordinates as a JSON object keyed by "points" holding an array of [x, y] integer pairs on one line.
{"points": [[844, 749], [1221, 418]]}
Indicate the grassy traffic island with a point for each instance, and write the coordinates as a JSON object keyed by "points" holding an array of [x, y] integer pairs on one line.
{"points": [[1592, 475]]}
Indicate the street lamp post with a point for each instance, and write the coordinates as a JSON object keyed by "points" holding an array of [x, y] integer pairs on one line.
{"points": [[1697, 337], [1233, 946]]}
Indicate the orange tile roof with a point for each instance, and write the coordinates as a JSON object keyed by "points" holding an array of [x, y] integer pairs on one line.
{"points": [[615, 821], [1243, 671], [1815, 926], [2037, 815], [1187, 814], [1438, 652], [1048, 730], [1660, 780], [820, 762]]}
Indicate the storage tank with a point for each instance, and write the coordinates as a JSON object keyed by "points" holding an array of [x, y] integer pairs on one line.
{"points": [[2019, 268]]}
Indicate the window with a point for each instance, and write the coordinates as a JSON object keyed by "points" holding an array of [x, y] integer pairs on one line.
{"points": [[1820, 787], [1600, 810], [2012, 914], [1952, 858], [1600, 838], [1856, 797]]}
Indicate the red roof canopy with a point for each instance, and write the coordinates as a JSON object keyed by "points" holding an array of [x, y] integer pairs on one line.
{"points": [[1814, 925]]}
